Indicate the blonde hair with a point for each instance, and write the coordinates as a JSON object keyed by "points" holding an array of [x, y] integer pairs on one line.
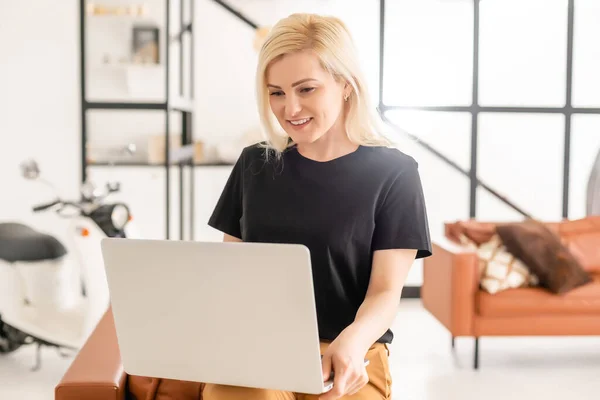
{"points": [[329, 38]]}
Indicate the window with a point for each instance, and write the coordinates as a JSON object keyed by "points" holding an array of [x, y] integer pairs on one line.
{"points": [[486, 83], [526, 64], [429, 64], [428, 52]]}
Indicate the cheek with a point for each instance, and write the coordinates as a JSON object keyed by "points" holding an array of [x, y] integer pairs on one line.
{"points": [[328, 109], [275, 106]]}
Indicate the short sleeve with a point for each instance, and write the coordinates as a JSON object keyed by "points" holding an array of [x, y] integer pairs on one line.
{"points": [[228, 210], [401, 221]]}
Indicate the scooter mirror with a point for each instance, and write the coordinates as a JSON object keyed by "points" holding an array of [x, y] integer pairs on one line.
{"points": [[113, 187], [89, 191], [30, 169], [130, 149]]}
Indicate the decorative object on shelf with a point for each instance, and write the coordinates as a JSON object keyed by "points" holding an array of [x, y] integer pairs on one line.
{"points": [[145, 45], [115, 153], [156, 147], [133, 10]]}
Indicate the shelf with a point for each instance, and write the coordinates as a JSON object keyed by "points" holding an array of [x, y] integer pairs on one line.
{"points": [[128, 67], [145, 164], [98, 105], [183, 105]]}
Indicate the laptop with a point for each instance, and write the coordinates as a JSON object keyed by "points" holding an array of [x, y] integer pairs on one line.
{"points": [[239, 314]]}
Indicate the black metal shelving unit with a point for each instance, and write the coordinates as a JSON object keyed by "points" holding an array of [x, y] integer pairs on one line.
{"points": [[179, 104]]}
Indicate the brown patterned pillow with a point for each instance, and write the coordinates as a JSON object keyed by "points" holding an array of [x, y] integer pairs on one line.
{"points": [[542, 251]]}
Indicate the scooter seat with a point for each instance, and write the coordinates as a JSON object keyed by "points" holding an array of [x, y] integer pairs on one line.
{"points": [[20, 242]]}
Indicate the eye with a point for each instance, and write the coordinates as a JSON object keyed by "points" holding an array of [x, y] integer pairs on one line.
{"points": [[276, 93], [307, 90]]}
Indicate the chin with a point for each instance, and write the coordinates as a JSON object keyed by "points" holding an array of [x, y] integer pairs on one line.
{"points": [[304, 139]]}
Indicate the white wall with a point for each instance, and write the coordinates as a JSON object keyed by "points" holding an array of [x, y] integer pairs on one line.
{"points": [[521, 156], [39, 105]]}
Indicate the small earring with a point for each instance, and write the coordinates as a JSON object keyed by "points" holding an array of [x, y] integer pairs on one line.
{"points": [[346, 98]]}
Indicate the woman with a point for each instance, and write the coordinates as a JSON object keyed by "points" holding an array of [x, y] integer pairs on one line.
{"points": [[329, 180]]}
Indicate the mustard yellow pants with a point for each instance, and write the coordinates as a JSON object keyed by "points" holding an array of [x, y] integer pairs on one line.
{"points": [[378, 388]]}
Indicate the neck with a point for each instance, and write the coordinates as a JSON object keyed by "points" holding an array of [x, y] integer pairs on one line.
{"points": [[331, 145]]}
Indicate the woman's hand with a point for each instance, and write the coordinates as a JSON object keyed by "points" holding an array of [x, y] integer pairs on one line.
{"points": [[345, 357]]}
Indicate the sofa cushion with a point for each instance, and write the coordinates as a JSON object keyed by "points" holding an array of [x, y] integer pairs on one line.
{"points": [[546, 257], [144, 388], [537, 301]]}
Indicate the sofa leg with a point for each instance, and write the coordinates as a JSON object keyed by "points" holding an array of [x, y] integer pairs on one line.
{"points": [[476, 357]]}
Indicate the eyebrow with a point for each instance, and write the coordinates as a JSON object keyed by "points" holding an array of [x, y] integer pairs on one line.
{"points": [[293, 84]]}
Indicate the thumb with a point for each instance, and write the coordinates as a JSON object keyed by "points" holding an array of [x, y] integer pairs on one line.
{"points": [[326, 367]]}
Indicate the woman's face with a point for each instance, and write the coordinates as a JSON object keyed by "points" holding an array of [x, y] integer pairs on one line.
{"points": [[304, 97]]}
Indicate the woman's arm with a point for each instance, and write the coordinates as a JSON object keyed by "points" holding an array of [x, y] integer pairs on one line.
{"points": [[229, 238], [378, 310]]}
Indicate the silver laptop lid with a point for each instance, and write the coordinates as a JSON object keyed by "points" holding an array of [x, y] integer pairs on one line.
{"points": [[240, 314]]}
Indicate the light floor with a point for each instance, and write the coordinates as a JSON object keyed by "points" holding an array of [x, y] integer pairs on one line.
{"points": [[424, 367]]}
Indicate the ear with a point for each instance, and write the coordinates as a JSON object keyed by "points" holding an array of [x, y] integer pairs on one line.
{"points": [[347, 91]]}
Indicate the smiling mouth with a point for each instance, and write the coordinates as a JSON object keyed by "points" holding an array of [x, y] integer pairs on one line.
{"points": [[300, 122]]}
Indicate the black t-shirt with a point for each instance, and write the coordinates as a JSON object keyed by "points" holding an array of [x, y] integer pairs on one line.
{"points": [[342, 210]]}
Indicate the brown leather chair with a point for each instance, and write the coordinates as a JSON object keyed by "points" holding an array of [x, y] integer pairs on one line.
{"points": [[452, 294]]}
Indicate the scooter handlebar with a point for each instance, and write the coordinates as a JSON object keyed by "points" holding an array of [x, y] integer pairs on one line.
{"points": [[43, 207]]}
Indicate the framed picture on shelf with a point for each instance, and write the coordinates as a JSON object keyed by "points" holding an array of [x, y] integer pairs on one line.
{"points": [[145, 45]]}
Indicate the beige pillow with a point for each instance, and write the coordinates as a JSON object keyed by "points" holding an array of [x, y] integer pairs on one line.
{"points": [[498, 269]]}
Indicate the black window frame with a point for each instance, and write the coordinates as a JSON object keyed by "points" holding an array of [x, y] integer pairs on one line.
{"points": [[568, 111]]}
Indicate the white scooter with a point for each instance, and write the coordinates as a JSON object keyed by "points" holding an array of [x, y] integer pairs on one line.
{"points": [[51, 296]]}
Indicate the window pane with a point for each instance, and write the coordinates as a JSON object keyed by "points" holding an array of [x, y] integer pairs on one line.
{"points": [[446, 190], [428, 52], [521, 157], [586, 54], [523, 52], [585, 146]]}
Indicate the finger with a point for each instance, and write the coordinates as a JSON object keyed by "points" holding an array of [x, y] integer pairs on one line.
{"points": [[326, 367], [339, 384], [342, 380]]}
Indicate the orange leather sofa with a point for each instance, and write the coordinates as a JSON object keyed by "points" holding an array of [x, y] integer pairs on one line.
{"points": [[96, 372], [452, 294]]}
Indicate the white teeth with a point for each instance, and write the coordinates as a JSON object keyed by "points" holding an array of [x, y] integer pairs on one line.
{"points": [[302, 121]]}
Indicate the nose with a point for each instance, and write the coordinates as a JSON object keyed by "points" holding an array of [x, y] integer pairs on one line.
{"points": [[292, 106]]}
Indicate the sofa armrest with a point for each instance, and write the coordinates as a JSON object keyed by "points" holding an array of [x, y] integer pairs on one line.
{"points": [[96, 372], [450, 284]]}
